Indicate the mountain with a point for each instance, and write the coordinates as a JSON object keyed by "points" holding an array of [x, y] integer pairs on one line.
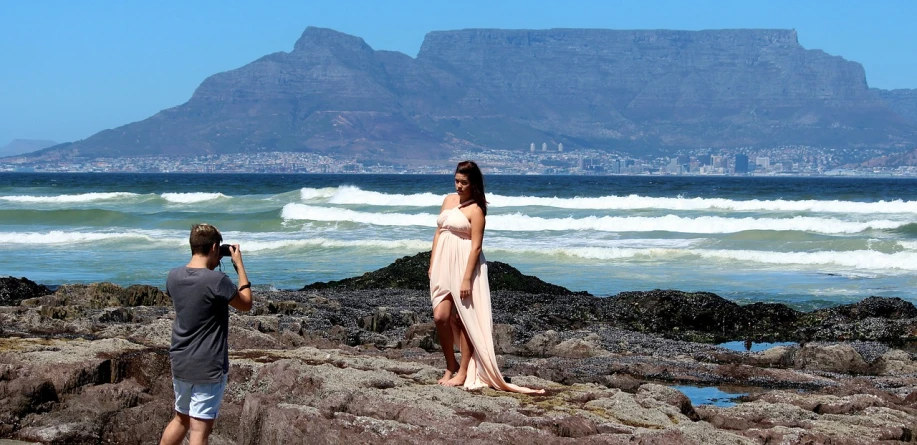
{"points": [[20, 146], [645, 91], [901, 101]]}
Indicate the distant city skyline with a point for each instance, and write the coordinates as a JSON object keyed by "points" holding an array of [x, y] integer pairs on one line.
{"points": [[73, 69]]}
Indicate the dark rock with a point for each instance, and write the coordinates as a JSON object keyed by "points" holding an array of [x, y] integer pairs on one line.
{"points": [[117, 315], [542, 344], [874, 318], [26, 395], [62, 312], [14, 290], [410, 272], [144, 295], [769, 320], [422, 335], [282, 307], [100, 295], [106, 295], [698, 316], [504, 336], [379, 321], [882, 307]]}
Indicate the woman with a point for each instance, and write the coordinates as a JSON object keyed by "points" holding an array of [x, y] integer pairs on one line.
{"points": [[457, 267]]}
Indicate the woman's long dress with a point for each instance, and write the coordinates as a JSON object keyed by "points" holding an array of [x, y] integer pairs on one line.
{"points": [[450, 257]]}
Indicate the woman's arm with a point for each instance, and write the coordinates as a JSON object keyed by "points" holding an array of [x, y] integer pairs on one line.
{"points": [[477, 239], [436, 238]]}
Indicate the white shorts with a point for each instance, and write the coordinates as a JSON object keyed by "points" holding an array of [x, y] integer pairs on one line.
{"points": [[198, 400]]}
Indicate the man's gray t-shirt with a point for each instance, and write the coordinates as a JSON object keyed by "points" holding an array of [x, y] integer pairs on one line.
{"points": [[200, 350]]}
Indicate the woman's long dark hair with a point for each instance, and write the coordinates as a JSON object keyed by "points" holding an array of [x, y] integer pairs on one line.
{"points": [[476, 179]]}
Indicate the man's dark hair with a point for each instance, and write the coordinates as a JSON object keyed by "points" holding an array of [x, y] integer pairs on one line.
{"points": [[203, 237]]}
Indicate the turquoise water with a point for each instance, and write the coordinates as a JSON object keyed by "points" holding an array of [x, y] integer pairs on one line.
{"points": [[742, 346], [808, 242], [709, 395]]}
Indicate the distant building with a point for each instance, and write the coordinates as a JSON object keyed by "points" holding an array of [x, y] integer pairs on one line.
{"points": [[741, 164], [703, 160], [560, 147], [616, 166], [673, 167], [544, 146], [717, 161], [532, 147]]}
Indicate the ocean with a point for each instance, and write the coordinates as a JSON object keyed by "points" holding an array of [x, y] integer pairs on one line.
{"points": [[803, 241]]}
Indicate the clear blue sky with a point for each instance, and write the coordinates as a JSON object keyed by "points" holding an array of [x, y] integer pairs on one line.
{"points": [[69, 69]]}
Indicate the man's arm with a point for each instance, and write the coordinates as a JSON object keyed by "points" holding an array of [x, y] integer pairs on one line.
{"points": [[242, 300]]}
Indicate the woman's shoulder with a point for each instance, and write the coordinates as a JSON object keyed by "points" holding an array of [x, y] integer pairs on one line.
{"points": [[451, 200], [475, 209]]}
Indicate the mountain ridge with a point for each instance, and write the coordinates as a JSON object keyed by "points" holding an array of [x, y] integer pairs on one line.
{"points": [[19, 146], [637, 91]]}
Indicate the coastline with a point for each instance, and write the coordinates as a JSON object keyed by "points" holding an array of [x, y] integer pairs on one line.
{"points": [[355, 361], [565, 230]]}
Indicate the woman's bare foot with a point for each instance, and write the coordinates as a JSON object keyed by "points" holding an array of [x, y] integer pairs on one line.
{"points": [[446, 376], [457, 380]]}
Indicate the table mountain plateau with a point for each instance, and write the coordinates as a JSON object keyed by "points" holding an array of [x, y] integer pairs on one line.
{"points": [[635, 91]]}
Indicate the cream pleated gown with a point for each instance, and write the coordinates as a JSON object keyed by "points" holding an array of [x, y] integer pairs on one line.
{"points": [[450, 257]]}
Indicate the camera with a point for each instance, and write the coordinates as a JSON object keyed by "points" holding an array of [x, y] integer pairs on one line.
{"points": [[225, 250]]}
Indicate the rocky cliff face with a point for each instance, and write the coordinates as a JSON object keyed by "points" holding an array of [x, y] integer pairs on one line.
{"points": [[626, 90], [664, 88], [902, 101]]}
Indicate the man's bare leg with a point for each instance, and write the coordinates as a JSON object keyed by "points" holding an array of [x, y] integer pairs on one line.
{"points": [[200, 431], [176, 430]]}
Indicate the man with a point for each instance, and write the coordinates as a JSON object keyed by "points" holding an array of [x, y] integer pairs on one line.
{"points": [[200, 351]]}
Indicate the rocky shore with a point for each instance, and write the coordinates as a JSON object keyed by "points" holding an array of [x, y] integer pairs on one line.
{"points": [[356, 361]]}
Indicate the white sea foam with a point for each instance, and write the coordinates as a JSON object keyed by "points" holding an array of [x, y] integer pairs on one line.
{"points": [[66, 238], [260, 246], [672, 223], [263, 241], [551, 242], [311, 194], [356, 196], [625, 251], [858, 259], [331, 214], [633, 202], [69, 199], [669, 223], [191, 198]]}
